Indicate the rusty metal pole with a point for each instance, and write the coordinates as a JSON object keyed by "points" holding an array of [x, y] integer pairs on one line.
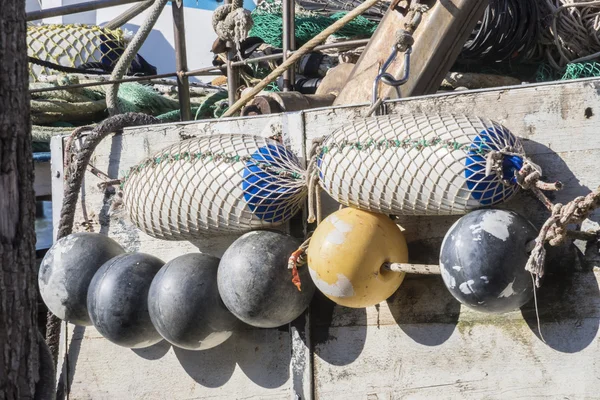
{"points": [[76, 8], [289, 41], [183, 86]]}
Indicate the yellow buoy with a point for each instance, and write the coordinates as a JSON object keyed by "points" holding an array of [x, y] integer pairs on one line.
{"points": [[346, 254]]}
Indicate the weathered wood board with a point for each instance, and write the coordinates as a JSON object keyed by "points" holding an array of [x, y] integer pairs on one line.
{"points": [[420, 343]]}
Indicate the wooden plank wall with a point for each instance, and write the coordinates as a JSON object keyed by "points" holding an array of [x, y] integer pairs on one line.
{"points": [[420, 343]]}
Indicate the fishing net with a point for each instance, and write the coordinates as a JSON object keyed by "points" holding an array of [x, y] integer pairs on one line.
{"points": [[581, 70], [72, 46], [546, 73], [268, 25], [215, 184], [419, 165]]}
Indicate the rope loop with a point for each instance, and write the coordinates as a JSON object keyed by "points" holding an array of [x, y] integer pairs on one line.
{"points": [[231, 22]]}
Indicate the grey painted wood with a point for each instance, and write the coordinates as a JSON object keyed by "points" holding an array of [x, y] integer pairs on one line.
{"points": [[420, 343]]}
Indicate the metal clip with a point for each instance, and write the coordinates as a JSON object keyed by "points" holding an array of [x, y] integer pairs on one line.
{"points": [[388, 79]]}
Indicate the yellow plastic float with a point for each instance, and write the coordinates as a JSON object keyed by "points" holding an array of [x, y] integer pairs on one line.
{"points": [[346, 256]]}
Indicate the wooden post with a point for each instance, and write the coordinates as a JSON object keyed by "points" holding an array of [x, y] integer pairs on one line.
{"points": [[439, 38]]}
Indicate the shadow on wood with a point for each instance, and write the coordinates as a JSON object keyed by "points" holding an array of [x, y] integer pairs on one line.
{"points": [[329, 319], [154, 352], [211, 368], [568, 302], [425, 310]]}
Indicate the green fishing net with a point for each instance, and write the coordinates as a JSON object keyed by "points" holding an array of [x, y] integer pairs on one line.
{"points": [[268, 25]]}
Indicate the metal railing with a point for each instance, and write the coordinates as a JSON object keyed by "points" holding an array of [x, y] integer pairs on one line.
{"points": [[182, 74]]}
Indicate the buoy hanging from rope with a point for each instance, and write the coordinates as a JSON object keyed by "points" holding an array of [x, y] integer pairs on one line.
{"points": [[420, 164], [348, 254], [255, 282], [215, 184], [483, 258], [67, 270], [118, 300], [185, 306]]}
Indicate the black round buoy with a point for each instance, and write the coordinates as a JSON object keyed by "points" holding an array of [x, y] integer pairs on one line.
{"points": [[483, 260], [67, 269], [118, 300], [256, 284], [185, 306]]}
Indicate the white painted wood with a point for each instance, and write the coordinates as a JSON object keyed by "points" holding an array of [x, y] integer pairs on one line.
{"points": [[42, 186], [56, 163], [419, 344]]}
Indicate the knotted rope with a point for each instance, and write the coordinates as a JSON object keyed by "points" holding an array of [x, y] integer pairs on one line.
{"points": [[528, 177], [298, 257], [554, 230], [232, 23]]}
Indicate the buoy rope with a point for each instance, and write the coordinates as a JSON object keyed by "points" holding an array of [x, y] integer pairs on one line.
{"points": [[298, 259], [121, 67], [312, 173], [554, 231], [528, 177], [537, 311], [75, 167], [421, 269]]}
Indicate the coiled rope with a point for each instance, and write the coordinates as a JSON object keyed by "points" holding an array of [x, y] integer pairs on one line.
{"points": [[509, 30], [574, 29]]}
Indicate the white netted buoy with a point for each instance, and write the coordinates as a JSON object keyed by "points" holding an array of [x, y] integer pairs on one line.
{"points": [[419, 164], [218, 183]]}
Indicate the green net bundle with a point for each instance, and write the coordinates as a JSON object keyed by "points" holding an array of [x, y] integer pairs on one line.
{"points": [[546, 73], [268, 25]]}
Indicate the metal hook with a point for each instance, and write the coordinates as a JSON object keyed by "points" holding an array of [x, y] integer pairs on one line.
{"points": [[387, 78]]}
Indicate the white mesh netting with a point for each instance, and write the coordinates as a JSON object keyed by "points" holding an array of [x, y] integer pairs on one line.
{"points": [[418, 165], [72, 46], [219, 183]]}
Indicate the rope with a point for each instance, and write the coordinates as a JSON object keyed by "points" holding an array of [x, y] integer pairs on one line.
{"points": [[574, 31], [554, 230], [112, 101], [508, 31], [232, 23], [309, 46], [75, 167], [528, 176], [298, 259], [312, 173]]}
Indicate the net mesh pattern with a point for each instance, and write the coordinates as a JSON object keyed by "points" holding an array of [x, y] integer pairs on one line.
{"points": [[72, 46], [216, 184], [418, 164]]}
